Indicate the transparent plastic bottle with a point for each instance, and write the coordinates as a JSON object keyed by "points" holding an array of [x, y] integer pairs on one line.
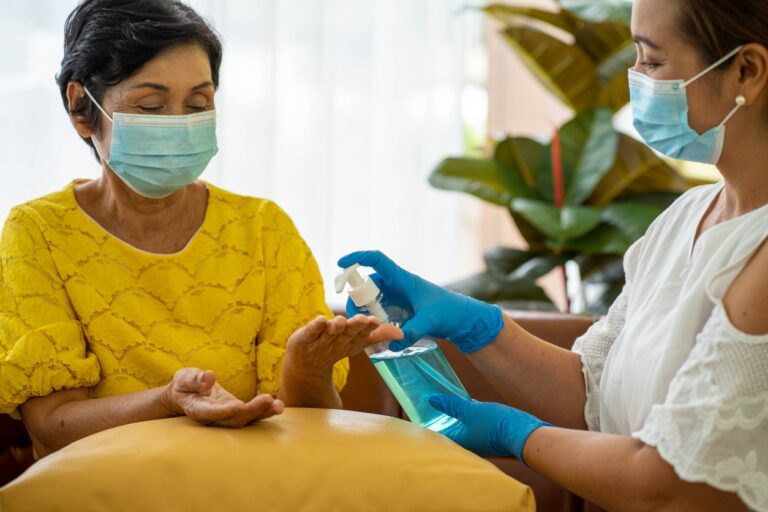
{"points": [[414, 374]]}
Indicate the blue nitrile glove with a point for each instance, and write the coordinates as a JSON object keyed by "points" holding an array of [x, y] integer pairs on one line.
{"points": [[488, 429], [438, 313]]}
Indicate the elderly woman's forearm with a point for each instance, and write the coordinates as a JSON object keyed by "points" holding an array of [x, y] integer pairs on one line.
{"points": [[56, 420], [299, 388]]}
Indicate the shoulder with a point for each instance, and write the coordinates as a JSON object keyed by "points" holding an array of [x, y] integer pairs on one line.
{"points": [[686, 208], [241, 205], [47, 209], [746, 302], [672, 225], [258, 215]]}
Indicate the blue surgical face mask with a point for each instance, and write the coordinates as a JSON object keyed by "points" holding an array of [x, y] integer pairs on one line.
{"points": [[660, 112], [158, 155]]}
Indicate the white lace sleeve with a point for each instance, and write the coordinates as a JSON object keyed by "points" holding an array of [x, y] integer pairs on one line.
{"points": [[594, 345], [593, 348], [713, 425]]}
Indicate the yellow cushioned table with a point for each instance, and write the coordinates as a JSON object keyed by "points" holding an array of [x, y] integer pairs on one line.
{"points": [[303, 460]]}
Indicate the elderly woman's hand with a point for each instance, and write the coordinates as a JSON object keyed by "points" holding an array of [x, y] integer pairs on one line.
{"points": [[195, 393], [316, 347]]}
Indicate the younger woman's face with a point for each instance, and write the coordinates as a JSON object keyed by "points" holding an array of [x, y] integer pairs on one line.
{"points": [[664, 54]]}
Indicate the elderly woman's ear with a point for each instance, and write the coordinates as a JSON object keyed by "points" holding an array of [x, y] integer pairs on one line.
{"points": [[78, 112]]}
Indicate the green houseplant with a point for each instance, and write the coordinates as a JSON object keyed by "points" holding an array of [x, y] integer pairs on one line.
{"points": [[590, 191]]}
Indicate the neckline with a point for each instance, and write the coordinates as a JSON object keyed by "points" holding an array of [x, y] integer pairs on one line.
{"points": [[695, 241], [108, 234]]}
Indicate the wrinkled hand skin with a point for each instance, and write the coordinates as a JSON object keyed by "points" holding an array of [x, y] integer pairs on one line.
{"points": [[196, 394], [316, 347]]}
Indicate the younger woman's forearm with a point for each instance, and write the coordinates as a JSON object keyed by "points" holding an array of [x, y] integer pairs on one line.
{"points": [[535, 376], [56, 420], [618, 473]]}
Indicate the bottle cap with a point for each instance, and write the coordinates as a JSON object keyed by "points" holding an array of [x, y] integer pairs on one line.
{"points": [[362, 290]]}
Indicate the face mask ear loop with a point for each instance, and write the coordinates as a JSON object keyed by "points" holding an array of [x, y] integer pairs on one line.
{"points": [[740, 102], [93, 139], [713, 66], [97, 104]]}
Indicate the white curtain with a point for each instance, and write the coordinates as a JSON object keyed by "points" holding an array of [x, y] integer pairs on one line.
{"points": [[335, 109]]}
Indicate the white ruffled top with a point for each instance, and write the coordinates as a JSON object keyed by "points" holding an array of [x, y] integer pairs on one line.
{"points": [[668, 367]]}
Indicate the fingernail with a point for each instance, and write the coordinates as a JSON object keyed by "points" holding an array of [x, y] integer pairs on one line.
{"points": [[201, 377]]}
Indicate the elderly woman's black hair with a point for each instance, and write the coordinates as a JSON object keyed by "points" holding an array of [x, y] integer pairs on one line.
{"points": [[107, 41]]}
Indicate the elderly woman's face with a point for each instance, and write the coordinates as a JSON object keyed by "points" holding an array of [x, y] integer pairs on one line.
{"points": [[176, 82]]}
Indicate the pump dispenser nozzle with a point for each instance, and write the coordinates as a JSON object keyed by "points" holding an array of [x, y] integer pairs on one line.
{"points": [[363, 292]]}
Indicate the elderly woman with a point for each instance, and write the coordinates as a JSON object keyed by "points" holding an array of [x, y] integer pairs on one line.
{"points": [[117, 292], [663, 405]]}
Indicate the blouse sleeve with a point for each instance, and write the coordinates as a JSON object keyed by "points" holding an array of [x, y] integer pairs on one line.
{"points": [[713, 424], [594, 345], [294, 296], [42, 346]]}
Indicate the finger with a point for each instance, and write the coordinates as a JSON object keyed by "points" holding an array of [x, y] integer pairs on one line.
{"points": [[208, 379], [336, 326], [275, 408], [385, 332], [413, 330], [374, 259], [310, 332], [359, 325], [355, 337], [188, 380], [254, 409], [449, 404], [207, 410]]}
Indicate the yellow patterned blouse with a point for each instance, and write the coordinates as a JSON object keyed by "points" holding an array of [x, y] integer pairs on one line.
{"points": [[81, 308]]}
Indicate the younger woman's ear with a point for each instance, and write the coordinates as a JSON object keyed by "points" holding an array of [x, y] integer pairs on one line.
{"points": [[753, 69], [77, 116]]}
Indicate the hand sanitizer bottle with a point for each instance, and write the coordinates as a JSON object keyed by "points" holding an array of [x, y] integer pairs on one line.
{"points": [[412, 375]]}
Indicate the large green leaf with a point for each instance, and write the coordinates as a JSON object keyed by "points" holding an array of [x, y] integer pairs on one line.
{"points": [[637, 169], [558, 224], [535, 238], [600, 10], [631, 218], [605, 239], [504, 261], [589, 145], [598, 39], [600, 267], [539, 266], [621, 225], [612, 76], [516, 15], [512, 293], [591, 69], [478, 177], [521, 156], [562, 68]]}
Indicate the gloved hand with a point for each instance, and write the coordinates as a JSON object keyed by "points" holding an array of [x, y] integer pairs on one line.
{"points": [[439, 313], [488, 429]]}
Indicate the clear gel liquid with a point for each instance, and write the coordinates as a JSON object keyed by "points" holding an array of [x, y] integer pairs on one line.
{"points": [[414, 375]]}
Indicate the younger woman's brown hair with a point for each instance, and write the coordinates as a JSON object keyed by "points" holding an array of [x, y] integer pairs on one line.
{"points": [[716, 27]]}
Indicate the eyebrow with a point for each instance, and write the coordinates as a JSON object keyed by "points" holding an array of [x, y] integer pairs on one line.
{"points": [[644, 40], [163, 88]]}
